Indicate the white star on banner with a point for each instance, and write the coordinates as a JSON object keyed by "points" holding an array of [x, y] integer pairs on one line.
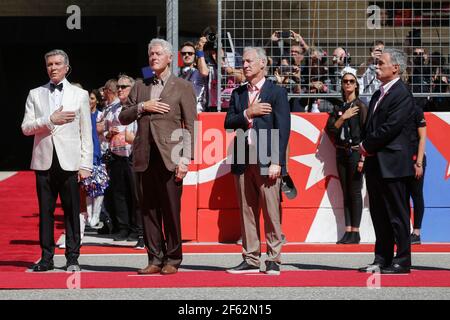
{"points": [[322, 163]]}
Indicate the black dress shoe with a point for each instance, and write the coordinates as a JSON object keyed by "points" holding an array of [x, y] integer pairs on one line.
{"points": [[371, 268], [395, 269], [42, 266]]}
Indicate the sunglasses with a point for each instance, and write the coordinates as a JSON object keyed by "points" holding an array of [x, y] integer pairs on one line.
{"points": [[351, 81], [187, 53], [123, 86]]}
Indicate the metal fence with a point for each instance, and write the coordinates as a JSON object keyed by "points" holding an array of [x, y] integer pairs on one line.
{"points": [[310, 42]]}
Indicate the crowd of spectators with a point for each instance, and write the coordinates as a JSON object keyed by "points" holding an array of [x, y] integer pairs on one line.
{"points": [[309, 70]]}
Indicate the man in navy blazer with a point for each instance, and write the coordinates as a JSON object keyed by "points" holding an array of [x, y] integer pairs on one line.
{"points": [[259, 112], [389, 163]]}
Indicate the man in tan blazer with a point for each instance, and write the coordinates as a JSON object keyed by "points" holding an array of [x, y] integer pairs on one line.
{"points": [[165, 108], [58, 115]]}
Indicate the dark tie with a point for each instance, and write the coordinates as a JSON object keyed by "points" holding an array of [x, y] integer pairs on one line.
{"points": [[156, 80], [54, 86]]}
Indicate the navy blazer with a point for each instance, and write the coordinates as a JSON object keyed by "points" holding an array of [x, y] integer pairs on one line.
{"points": [[388, 131], [279, 118]]}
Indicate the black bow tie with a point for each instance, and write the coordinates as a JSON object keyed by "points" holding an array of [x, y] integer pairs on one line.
{"points": [[54, 86]]}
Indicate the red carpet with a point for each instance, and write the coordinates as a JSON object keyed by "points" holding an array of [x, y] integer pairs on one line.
{"points": [[20, 248], [194, 279], [19, 228]]}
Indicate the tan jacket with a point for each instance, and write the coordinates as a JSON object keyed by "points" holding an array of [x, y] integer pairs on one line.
{"points": [[180, 96]]}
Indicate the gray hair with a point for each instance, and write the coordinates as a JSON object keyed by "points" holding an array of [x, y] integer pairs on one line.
{"points": [[260, 53], [397, 57], [124, 76], [111, 84], [57, 52], [167, 47]]}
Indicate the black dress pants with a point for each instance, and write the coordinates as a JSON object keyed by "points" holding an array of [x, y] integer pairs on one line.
{"points": [[49, 184], [122, 198], [160, 200], [389, 210]]}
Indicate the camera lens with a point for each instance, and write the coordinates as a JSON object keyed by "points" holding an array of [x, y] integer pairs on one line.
{"points": [[211, 37]]}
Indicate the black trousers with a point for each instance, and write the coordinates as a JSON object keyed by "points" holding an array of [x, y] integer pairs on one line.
{"points": [[415, 187], [351, 184], [160, 200], [389, 209], [121, 194], [49, 184]]}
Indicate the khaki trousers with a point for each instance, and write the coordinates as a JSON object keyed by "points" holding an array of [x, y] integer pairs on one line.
{"points": [[257, 192]]}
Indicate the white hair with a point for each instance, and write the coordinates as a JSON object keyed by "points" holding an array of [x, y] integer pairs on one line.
{"points": [[125, 77], [260, 53], [167, 47]]}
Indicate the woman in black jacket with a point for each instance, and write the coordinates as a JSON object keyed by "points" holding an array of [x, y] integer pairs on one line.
{"points": [[344, 126]]}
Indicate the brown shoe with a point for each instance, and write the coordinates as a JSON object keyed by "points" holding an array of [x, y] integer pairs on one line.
{"points": [[169, 269], [150, 269]]}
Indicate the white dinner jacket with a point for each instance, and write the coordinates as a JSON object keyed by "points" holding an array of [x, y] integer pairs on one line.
{"points": [[72, 141]]}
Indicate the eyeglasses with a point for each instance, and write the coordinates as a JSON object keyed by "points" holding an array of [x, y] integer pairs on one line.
{"points": [[123, 86], [187, 53], [351, 81]]}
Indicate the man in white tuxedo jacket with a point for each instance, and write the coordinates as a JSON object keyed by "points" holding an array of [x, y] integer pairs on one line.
{"points": [[58, 115]]}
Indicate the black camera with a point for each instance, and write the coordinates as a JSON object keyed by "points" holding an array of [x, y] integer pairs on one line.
{"points": [[284, 34], [286, 70]]}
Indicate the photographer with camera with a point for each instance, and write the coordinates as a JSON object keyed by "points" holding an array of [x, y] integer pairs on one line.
{"points": [[440, 84], [211, 60], [287, 75], [341, 59], [421, 76], [196, 71], [368, 82]]}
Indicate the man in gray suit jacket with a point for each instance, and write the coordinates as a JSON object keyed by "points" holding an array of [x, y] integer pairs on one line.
{"points": [[58, 115]]}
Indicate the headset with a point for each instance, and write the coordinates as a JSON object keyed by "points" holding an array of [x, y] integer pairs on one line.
{"points": [[69, 70]]}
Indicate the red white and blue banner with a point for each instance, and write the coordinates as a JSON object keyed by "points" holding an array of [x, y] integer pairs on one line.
{"points": [[210, 209]]}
